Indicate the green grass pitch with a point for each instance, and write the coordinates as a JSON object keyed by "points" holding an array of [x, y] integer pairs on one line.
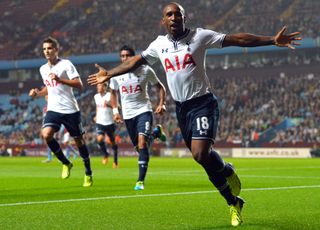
{"points": [[279, 194]]}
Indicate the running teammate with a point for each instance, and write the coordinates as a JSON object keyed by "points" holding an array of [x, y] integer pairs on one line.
{"points": [[60, 77], [137, 109], [105, 123]]}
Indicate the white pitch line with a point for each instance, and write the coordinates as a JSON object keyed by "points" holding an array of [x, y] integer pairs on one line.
{"points": [[281, 177], [150, 195]]}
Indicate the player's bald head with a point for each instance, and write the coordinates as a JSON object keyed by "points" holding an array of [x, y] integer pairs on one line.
{"points": [[173, 4]]}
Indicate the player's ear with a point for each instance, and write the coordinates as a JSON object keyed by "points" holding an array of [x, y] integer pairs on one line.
{"points": [[162, 21]]}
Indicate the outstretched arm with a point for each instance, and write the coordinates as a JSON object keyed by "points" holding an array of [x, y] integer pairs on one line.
{"points": [[104, 75], [251, 40]]}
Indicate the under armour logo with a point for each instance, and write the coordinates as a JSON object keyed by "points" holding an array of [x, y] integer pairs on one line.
{"points": [[165, 50], [203, 132]]}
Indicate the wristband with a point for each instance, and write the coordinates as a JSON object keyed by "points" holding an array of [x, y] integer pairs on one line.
{"points": [[115, 111]]}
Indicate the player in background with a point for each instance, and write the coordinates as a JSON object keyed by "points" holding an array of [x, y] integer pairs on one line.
{"points": [[68, 144], [105, 123], [182, 54], [137, 109], [60, 77]]}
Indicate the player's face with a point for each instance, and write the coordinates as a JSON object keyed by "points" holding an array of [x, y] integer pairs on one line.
{"points": [[49, 51], [125, 55], [101, 88], [174, 20]]}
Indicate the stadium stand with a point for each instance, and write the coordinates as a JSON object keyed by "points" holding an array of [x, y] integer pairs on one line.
{"points": [[260, 106], [90, 27]]}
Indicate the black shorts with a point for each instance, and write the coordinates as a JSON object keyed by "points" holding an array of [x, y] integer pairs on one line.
{"points": [[108, 129], [198, 118], [140, 124], [72, 122]]}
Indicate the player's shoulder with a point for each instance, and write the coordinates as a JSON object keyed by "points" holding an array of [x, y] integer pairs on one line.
{"points": [[64, 61], [44, 66], [203, 31], [96, 95], [160, 39]]}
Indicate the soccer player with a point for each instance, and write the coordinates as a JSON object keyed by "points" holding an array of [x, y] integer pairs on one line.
{"points": [[182, 54], [105, 123], [60, 77], [137, 109], [67, 144]]}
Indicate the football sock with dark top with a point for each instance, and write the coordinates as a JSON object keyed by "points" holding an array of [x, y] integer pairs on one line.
{"points": [[143, 163], [115, 153], [103, 149], [55, 148], [86, 160]]}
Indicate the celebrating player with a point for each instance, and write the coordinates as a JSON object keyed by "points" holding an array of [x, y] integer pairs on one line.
{"points": [[105, 123], [137, 109], [60, 77], [182, 54]]}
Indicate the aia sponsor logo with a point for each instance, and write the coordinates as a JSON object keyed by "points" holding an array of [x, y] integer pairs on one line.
{"points": [[131, 89], [178, 64]]}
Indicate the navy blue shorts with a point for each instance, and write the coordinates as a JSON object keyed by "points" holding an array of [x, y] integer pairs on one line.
{"points": [[198, 118], [72, 122], [140, 124], [108, 129]]}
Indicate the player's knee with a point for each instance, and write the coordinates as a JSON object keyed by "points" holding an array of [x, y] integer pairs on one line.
{"points": [[47, 136], [199, 157], [99, 139], [79, 141]]}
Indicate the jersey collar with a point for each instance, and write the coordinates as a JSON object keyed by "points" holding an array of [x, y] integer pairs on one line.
{"points": [[186, 33]]}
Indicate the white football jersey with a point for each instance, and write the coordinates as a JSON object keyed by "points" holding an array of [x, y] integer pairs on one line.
{"points": [[60, 96], [133, 88], [104, 115], [184, 61]]}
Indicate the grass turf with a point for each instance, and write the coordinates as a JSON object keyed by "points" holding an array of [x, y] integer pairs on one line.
{"points": [[279, 194]]}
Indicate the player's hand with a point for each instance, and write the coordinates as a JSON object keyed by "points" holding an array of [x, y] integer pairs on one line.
{"points": [[33, 92], [117, 118], [54, 77], [160, 109], [287, 40], [99, 77]]}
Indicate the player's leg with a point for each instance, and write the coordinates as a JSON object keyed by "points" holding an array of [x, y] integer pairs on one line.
{"points": [[47, 133], [51, 124], [100, 130], [72, 122], [110, 130], [214, 167], [198, 122], [144, 125]]}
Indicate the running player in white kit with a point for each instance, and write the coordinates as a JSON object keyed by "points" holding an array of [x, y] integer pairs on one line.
{"points": [[137, 108], [60, 77], [105, 123], [182, 54]]}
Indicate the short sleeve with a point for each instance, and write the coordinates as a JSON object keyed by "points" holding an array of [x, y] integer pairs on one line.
{"points": [[151, 54], [210, 38], [71, 70], [114, 84]]}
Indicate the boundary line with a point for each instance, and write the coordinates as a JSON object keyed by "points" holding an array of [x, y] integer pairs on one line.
{"points": [[150, 195]]}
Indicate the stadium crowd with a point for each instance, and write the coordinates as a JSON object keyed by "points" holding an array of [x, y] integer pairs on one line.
{"points": [[249, 107], [103, 26]]}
